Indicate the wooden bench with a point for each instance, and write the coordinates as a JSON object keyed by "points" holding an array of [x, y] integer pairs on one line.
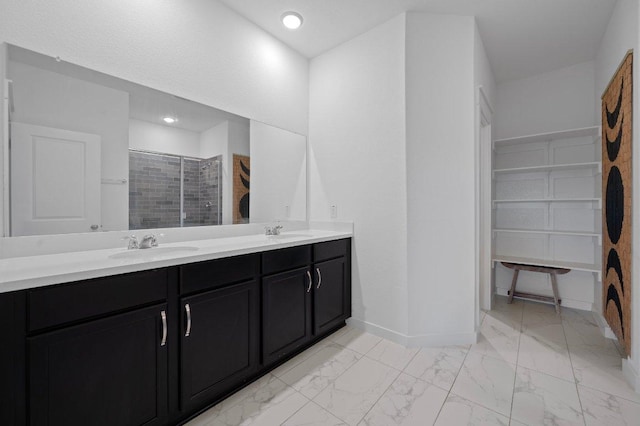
{"points": [[517, 267]]}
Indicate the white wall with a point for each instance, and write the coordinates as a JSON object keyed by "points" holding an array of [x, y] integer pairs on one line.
{"points": [[391, 138], [197, 49], [39, 96], [484, 79], [278, 174], [440, 177], [483, 74], [147, 136], [237, 143], [622, 34], [357, 162], [557, 100], [214, 141], [239, 133]]}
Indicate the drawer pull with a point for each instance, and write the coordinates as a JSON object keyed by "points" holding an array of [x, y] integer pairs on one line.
{"points": [[309, 276], [187, 309], [163, 315], [319, 278]]}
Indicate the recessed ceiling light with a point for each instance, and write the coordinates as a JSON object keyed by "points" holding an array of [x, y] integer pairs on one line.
{"points": [[292, 20], [169, 120]]}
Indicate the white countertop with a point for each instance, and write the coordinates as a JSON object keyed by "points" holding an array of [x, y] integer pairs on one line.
{"points": [[19, 273]]}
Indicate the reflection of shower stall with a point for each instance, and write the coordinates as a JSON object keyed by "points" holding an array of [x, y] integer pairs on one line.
{"points": [[168, 191]]}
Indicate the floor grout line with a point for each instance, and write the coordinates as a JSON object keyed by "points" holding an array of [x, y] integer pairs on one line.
{"points": [[296, 412], [347, 369], [515, 373], [410, 361], [380, 397], [454, 381], [573, 373], [608, 393]]}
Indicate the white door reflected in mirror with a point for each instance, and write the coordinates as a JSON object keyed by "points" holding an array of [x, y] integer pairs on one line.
{"points": [[55, 181]]}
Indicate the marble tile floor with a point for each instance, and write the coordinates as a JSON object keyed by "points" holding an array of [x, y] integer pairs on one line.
{"points": [[529, 367]]}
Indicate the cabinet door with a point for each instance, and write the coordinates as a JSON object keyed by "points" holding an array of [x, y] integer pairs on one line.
{"points": [[286, 313], [220, 342], [330, 295], [12, 358], [111, 371]]}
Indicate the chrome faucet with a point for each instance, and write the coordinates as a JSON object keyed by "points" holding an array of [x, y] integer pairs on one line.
{"points": [[148, 241], [133, 242], [272, 230]]}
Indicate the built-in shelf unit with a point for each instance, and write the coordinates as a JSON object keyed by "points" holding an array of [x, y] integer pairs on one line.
{"points": [[547, 207]]}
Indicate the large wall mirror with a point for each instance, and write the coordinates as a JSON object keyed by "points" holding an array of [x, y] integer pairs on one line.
{"points": [[90, 152]]}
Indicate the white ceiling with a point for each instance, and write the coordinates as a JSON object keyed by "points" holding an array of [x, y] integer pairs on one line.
{"points": [[522, 37]]}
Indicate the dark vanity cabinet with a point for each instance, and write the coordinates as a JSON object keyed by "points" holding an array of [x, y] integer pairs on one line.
{"points": [[219, 328], [311, 297], [286, 301], [97, 352], [332, 285], [157, 347], [286, 313], [111, 371], [12, 359]]}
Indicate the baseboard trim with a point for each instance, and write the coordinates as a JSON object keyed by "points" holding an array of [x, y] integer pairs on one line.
{"points": [[383, 332], [604, 326], [631, 374], [567, 303], [429, 340], [424, 340]]}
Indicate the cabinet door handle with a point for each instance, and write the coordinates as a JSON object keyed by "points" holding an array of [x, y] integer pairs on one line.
{"points": [[163, 315], [309, 276], [187, 309], [319, 278]]}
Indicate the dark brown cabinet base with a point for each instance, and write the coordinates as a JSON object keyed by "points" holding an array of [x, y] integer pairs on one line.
{"points": [[286, 313], [331, 302], [157, 347], [107, 372], [222, 345]]}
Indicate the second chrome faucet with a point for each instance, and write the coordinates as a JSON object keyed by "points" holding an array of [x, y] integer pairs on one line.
{"points": [[148, 241], [272, 230]]}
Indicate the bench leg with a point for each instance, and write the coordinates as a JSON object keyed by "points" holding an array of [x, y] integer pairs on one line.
{"points": [[554, 287], [513, 284]]}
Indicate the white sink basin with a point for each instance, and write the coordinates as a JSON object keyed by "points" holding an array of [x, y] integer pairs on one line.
{"points": [[152, 252]]}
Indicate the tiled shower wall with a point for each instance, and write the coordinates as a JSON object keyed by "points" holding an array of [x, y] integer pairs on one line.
{"points": [[191, 192], [202, 201], [154, 191], [211, 191]]}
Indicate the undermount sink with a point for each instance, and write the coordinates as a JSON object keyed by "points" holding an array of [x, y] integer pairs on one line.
{"points": [[152, 252]]}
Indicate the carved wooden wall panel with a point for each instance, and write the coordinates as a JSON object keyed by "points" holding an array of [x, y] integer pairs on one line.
{"points": [[616, 208], [241, 183]]}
